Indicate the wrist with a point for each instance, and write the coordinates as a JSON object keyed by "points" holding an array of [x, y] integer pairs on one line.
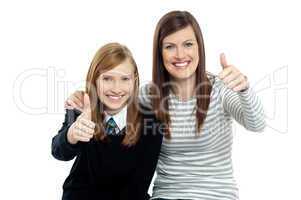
{"points": [[70, 138]]}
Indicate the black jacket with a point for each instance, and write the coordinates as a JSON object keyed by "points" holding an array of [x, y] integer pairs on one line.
{"points": [[109, 170]]}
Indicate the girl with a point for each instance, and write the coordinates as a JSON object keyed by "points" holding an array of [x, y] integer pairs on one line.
{"points": [[197, 108], [116, 146]]}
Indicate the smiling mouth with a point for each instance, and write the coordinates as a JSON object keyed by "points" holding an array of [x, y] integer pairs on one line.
{"points": [[181, 64], [115, 97]]}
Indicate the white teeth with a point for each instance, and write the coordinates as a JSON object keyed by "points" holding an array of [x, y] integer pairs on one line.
{"points": [[114, 97], [181, 64]]}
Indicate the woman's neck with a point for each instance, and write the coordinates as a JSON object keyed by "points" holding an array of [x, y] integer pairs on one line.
{"points": [[184, 89]]}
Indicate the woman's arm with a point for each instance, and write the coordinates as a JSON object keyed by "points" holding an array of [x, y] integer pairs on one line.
{"points": [[245, 107], [238, 99], [144, 95]]}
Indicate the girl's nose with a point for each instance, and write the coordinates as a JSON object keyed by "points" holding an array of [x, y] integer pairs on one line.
{"points": [[117, 87]]}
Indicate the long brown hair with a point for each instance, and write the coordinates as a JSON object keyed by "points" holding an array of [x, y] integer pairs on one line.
{"points": [[168, 24], [106, 58]]}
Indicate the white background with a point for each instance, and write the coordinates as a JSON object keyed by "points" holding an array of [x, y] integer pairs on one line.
{"points": [[46, 48]]}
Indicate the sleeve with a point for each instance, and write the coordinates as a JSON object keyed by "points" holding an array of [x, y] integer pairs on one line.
{"points": [[244, 106], [149, 150], [144, 95], [61, 149]]}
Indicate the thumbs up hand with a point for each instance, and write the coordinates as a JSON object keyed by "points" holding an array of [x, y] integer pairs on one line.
{"points": [[231, 76], [83, 128], [87, 107]]}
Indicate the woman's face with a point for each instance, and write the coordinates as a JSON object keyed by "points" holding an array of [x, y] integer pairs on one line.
{"points": [[180, 54], [115, 87]]}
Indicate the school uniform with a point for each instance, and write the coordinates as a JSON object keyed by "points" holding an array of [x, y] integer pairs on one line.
{"points": [[107, 170]]}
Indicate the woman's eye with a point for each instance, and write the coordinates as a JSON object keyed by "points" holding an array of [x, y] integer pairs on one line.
{"points": [[125, 79], [168, 47], [188, 44]]}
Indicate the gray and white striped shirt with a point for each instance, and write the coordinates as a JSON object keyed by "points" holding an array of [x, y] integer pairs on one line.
{"points": [[200, 167]]}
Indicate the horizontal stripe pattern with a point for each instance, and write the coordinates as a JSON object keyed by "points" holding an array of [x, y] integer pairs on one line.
{"points": [[192, 166]]}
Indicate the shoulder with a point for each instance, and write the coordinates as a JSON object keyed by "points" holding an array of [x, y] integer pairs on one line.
{"points": [[145, 94], [146, 112], [150, 125], [145, 87], [216, 82], [213, 78]]}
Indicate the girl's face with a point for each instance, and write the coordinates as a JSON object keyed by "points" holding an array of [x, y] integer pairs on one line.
{"points": [[115, 87], [180, 54]]}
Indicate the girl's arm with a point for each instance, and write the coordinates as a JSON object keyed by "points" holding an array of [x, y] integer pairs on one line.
{"points": [[61, 149]]}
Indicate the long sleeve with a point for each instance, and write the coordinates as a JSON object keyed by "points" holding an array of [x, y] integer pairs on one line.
{"points": [[149, 150], [245, 107], [61, 149]]}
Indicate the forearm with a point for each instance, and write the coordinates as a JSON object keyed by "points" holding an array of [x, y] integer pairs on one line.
{"points": [[61, 149], [246, 108]]}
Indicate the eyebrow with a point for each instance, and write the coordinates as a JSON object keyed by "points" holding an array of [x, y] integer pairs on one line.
{"points": [[121, 74], [189, 40]]}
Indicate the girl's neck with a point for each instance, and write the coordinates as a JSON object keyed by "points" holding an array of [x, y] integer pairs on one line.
{"points": [[113, 112], [184, 89]]}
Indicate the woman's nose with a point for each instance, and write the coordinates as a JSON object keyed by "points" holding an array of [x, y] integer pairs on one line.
{"points": [[180, 53]]}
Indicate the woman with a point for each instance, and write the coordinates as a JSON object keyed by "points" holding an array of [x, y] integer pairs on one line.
{"points": [[197, 107], [114, 144]]}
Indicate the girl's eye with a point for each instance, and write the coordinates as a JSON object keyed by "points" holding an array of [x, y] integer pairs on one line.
{"points": [[106, 78], [125, 79]]}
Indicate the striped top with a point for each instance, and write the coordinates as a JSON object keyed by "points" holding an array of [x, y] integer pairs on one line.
{"points": [[200, 167]]}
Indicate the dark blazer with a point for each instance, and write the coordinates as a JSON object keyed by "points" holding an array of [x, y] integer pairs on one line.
{"points": [[109, 170]]}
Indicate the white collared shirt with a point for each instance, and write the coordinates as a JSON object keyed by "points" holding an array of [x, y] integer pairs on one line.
{"points": [[119, 118]]}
